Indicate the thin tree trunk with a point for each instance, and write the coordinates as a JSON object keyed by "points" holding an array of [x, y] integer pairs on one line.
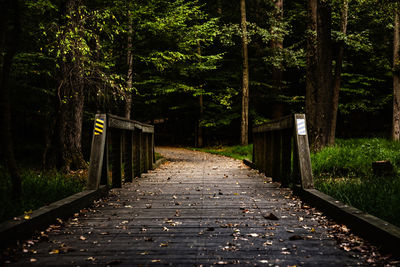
{"points": [[128, 100], [396, 77], [338, 70], [244, 136], [311, 72], [10, 47], [201, 105], [277, 74]]}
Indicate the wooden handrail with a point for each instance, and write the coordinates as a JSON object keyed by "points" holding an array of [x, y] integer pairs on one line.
{"points": [[281, 150], [136, 139]]}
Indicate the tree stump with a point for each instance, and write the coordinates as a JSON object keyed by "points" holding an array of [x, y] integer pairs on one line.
{"points": [[382, 168]]}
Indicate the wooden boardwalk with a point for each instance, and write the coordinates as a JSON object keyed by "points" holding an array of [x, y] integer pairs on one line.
{"points": [[195, 210]]}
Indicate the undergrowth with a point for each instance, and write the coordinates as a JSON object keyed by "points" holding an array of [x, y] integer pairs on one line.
{"points": [[38, 189], [344, 172]]}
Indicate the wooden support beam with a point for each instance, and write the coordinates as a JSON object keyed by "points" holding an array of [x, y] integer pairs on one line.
{"points": [[303, 150], [97, 151], [137, 155], [286, 157], [128, 166], [116, 158]]}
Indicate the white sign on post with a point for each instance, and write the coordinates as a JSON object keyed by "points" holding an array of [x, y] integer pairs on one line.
{"points": [[301, 126]]}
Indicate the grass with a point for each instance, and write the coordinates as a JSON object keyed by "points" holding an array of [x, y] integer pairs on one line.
{"points": [[38, 190], [344, 171], [237, 152]]}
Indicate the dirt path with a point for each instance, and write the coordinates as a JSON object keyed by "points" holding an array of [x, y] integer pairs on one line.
{"points": [[196, 209]]}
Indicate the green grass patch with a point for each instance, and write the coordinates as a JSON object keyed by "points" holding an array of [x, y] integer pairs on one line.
{"points": [[237, 152], [38, 190], [344, 171]]}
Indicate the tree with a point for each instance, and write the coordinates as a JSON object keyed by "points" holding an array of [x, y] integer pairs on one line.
{"points": [[396, 76], [244, 133], [10, 30], [319, 88], [338, 69]]}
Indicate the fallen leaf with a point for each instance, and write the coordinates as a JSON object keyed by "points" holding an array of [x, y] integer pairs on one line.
{"points": [[54, 251], [82, 238], [90, 259], [163, 245], [270, 216], [155, 261], [165, 229], [253, 235], [289, 231], [268, 243], [33, 260], [144, 253]]}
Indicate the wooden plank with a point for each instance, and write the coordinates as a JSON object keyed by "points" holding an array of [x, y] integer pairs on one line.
{"points": [[146, 151], [142, 153], [97, 151], [269, 154], [279, 124], [263, 152], [128, 166], [151, 151], [125, 124], [303, 151], [277, 156], [105, 169], [136, 158], [286, 156], [116, 158]]}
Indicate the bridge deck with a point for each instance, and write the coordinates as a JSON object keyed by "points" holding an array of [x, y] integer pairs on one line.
{"points": [[197, 209]]}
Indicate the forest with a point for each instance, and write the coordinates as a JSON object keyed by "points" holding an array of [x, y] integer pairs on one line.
{"points": [[202, 71]]}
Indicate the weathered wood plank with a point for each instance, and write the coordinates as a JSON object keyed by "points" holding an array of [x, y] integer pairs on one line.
{"points": [[116, 168], [279, 124], [303, 151], [128, 167], [136, 147], [97, 151]]}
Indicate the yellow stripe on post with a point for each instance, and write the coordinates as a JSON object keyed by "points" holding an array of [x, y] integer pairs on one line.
{"points": [[100, 121]]}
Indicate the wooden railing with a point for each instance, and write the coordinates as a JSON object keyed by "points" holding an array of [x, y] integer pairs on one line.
{"points": [[281, 151], [117, 134]]}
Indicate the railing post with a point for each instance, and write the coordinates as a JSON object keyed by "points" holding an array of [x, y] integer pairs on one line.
{"points": [[128, 173], [276, 161], [303, 150], [142, 153], [286, 156], [116, 158], [151, 150], [137, 155], [97, 151]]}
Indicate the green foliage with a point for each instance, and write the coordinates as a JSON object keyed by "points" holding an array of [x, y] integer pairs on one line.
{"points": [[345, 172], [38, 189]]}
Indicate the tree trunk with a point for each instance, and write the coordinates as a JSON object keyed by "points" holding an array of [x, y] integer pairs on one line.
{"points": [[244, 135], [338, 71], [129, 83], [325, 88], [396, 77], [9, 46], [199, 141], [311, 72], [71, 102], [319, 89], [277, 74]]}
